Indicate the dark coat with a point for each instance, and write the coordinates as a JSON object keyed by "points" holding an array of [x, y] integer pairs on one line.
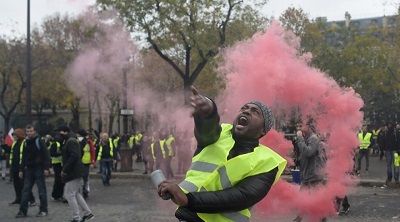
{"points": [[35, 154], [71, 159]]}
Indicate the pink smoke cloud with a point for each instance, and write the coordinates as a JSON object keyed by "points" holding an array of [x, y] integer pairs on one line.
{"points": [[267, 67]]}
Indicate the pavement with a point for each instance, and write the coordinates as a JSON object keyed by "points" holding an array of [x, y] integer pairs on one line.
{"points": [[375, 177], [132, 197]]}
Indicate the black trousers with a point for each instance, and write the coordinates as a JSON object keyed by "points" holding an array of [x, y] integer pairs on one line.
{"points": [[58, 186], [18, 186]]}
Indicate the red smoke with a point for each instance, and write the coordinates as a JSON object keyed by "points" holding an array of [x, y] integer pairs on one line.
{"points": [[267, 67]]}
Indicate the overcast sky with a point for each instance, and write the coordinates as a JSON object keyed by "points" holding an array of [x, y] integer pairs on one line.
{"points": [[13, 12]]}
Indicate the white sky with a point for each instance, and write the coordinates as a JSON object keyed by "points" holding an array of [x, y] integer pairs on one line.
{"points": [[13, 12]]}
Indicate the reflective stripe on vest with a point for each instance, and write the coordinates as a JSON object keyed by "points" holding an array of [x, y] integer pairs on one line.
{"points": [[21, 149], [364, 141], [111, 149], [169, 146], [211, 171], [86, 158], [161, 147], [55, 160]]}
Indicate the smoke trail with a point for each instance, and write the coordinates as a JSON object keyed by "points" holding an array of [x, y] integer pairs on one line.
{"points": [[267, 67]]}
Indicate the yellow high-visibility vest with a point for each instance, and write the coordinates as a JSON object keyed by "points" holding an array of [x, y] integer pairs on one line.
{"points": [[86, 158], [211, 171], [101, 149], [364, 141], [131, 141], [138, 138], [55, 160], [21, 149], [161, 147], [375, 134], [168, 142]]}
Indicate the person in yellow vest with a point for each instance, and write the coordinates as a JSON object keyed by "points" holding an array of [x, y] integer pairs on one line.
{"points": [[131, 140], [88, 158], [170, 142], [146, 154], [116, 140], [365, 139], [138, 146], [106, 156], [375, 145], [15, 161], [159, 150], [56, 163], [231, 171]]}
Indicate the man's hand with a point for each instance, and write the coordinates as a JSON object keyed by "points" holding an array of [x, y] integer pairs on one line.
{"points": [[63, 174], [46, 173], [202, 106], [92, 166], [299, 133], [178, 196], [21, 175]]}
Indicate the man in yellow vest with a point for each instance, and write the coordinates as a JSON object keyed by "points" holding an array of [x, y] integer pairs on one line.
{"points": [[170, 142], [15, 161], [106, 156], [365, 139], [375, 144], [88, 158], [159, 150], [230, 170], [138, 146], [56, 163]]}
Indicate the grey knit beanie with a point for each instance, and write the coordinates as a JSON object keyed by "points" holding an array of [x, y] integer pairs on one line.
{"points": [[267, 113]]}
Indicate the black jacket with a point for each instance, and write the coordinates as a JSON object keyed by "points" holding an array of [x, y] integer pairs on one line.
{"points": [[71, 159], [35, 154], [243, 195], [391, 140]]}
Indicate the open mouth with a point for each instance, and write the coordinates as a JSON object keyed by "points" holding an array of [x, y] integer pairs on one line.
{"points": [[243, 121]]}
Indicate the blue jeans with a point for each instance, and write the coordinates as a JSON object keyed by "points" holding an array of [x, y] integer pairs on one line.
{"points": [[106, 168], [390, 165], [32, 175], [361, 154]]}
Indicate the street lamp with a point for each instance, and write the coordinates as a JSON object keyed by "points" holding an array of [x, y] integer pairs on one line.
{"points": [[28, 67]]}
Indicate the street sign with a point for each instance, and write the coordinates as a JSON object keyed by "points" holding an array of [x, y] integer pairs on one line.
{"points": [[126, 112]]}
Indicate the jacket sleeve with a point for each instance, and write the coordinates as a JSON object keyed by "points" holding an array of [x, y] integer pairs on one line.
{"points": [[44, 151], [308, 149], [243, 195], [207, 130], [73, 155]]}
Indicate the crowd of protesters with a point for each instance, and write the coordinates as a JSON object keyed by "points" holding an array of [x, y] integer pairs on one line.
{"points": [[70, 156], [30, 157]]}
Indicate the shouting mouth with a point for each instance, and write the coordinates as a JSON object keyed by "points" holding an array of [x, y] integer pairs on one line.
{"points": [[242, 122]]}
